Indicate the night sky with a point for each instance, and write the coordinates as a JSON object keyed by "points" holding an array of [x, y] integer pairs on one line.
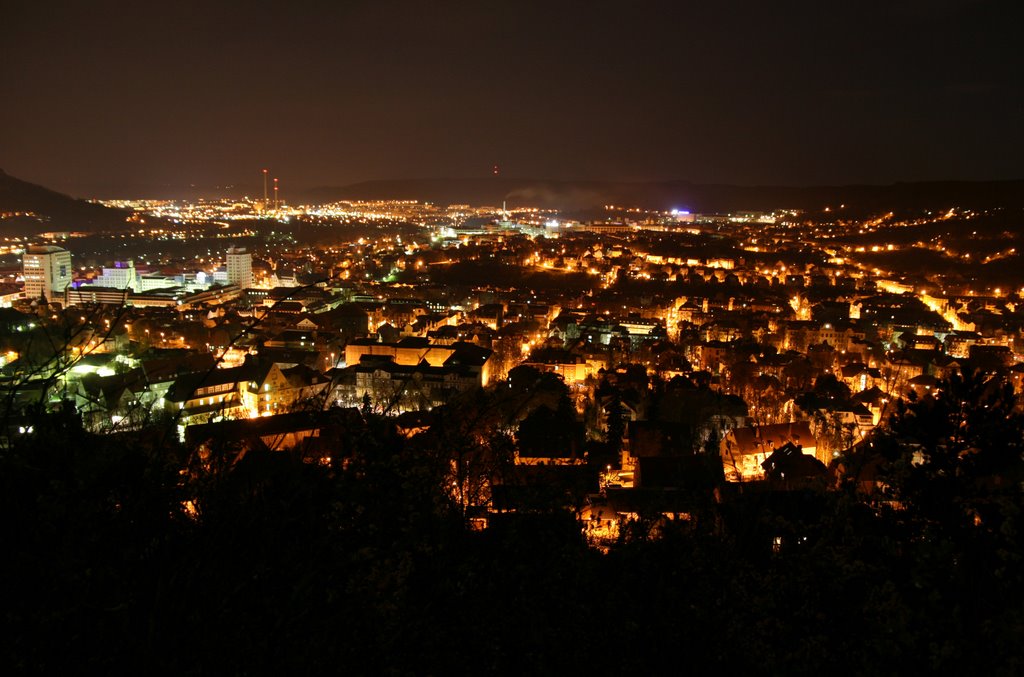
{"points": [[100, 97]]}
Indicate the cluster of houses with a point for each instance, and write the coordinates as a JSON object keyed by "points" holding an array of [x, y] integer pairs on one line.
{"points": [[802, 360]]}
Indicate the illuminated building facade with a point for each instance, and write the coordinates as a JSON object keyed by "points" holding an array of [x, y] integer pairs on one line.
{"points": [[239, 267], [122, 276], [47, 271]]}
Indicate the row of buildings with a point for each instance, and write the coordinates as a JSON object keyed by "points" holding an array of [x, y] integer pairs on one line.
{"points": [[48, 274]]}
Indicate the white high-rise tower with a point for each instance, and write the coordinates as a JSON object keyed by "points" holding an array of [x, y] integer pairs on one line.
{"points": [[47, 271], [240, 267]]}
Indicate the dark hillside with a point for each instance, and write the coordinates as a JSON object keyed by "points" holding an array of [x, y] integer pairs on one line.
{"points": [[27, 208], [707, 198]]}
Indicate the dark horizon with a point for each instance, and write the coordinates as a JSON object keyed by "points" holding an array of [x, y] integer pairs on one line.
{"points": [[573, 197], [313, 191], [113, 95]]}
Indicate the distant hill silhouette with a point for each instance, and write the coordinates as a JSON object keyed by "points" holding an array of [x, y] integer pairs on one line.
{"points": [[55, 211], [707, 198]]}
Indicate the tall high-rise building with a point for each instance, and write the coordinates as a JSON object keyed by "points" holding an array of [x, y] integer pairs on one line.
{"points": [[239, 267], [47, 271]]}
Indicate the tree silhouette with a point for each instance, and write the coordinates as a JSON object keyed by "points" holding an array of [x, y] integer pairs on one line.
{"points": [[956, 459], [551, 433]]}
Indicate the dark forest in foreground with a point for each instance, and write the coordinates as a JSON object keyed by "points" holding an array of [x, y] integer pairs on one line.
{"points": [[117, 562]]}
